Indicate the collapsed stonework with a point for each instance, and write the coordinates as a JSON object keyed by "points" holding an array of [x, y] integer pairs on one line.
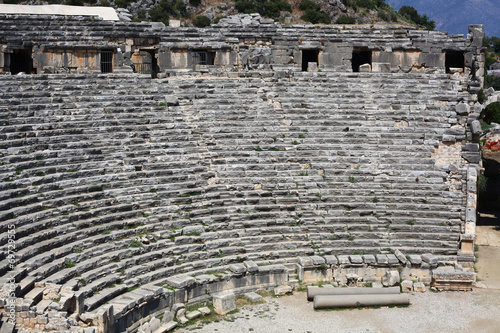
{"points": [[262, 156]]}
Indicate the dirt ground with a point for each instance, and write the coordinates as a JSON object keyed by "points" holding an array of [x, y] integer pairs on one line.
{"points": [[440, 312]]}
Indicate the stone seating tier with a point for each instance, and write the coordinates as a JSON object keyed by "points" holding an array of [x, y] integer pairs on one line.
{"points": [[124, 181]]}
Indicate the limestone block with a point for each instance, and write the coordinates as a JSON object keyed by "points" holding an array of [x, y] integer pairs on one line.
{"points": [[204, 310], [463, 109], [390, 279], [312, 66], [174, 23], [181, 316], [306, 261], [407, 286], [253, 297], [415, 259], [344, 260], [369, 259], [476, 127], [419, 287], [365, 68], [167, 317], [283, 290], [176, 308], [180, 281], [237, 268], [379, 67], [382, 259], [401, 257], [224, 302], [430, 259], [193, 314], [356, 259], [251, 266], [317, 260], [331, 260], [171, 100]]}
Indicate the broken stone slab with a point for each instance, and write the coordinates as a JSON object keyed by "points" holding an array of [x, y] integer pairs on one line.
{"points": [[317, 260], [193, 314], [251, 266], [419, 287], [306, 262], [180, 281], [331, 260], [167, 327], [237, 268], [167, 317], [415, 259], [204, 310], [448, 278], [462, 109], [224, 302], [365, 68], [253, 297], [283, 290], [407, 286], [391, 279], [176, 307], [181, 316], [154, 324], [401, 257], [430, 259]]}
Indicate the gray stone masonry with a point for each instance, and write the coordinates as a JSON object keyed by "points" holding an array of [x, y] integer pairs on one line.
{"points": [[130, 195]]}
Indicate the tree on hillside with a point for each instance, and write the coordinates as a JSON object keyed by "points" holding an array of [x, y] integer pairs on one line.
{"points": [[411, 14]]}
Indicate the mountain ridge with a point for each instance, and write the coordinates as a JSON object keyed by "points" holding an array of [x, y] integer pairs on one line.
{"points": [[454, 16]]}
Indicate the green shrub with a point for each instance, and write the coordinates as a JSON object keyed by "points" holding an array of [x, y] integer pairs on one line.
{"points": [[350, 3], [121, 3], [316, 17], [492, 113], [366, 4], [218, 18], [195, 3], [346, 20], [481, 96], [104, 3], [308, 4], [74, 2], [270, 8], [201, 21], [167, 8], [492, 81], [135, 243]]}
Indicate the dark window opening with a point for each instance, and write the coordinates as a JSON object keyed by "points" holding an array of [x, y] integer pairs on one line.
{"points": [[106, 61], [454, 60], [360, 57], [21, 62], [150, 66], [309, 56], [204, 58]]}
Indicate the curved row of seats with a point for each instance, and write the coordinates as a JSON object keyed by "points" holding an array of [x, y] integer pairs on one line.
{"points": [[111, 186]]}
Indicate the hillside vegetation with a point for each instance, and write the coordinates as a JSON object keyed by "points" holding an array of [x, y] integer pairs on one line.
{"points": [[202, 13]]}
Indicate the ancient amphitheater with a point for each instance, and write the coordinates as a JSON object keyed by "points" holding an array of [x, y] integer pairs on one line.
{"points": [[145, 166]]}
